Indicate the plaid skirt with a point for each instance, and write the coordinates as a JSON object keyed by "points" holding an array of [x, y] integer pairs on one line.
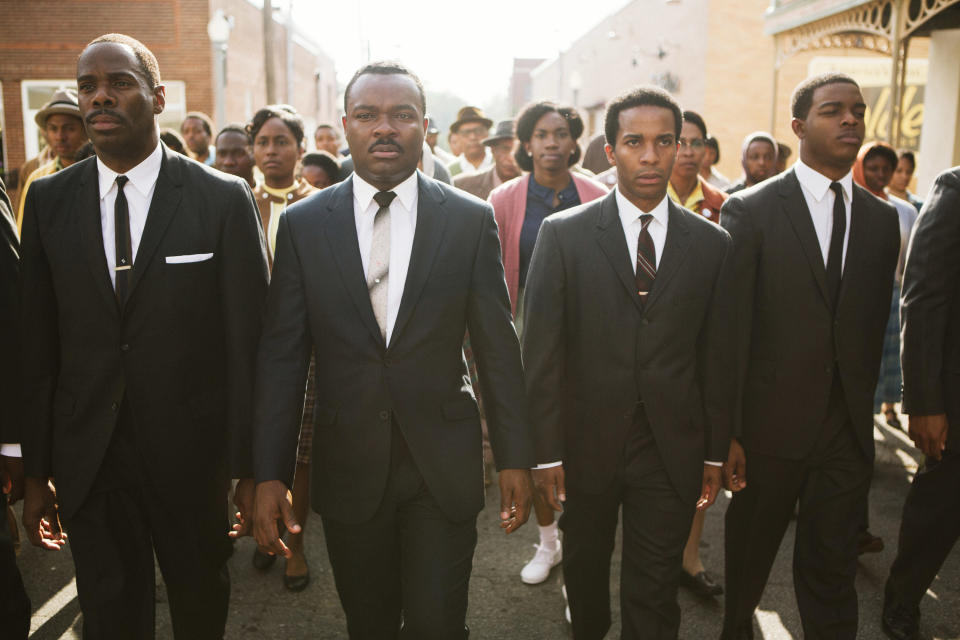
{"points": [[889, 386], [305, 448]]}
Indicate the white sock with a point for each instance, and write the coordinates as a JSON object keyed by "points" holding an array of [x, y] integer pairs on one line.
{"points": [[549, 535]]}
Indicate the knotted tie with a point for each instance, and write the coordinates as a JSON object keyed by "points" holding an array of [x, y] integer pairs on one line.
{"points": [[646, 258], [835, 254], [378, 272], [124, 249]]}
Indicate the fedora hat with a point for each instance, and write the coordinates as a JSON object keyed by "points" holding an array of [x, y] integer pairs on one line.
{"points": [[505, 131], [470, 114], [64, 101]]}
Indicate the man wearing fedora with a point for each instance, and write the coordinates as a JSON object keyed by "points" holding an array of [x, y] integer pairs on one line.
{"points": [[60, 122], [504, 167], [471, 127]]}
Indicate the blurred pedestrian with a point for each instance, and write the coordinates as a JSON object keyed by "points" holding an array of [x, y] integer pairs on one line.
{"points": [[595, 155], [174, 141], [327, 138], [144, 282], [235, 153], [900, 183], [783, 154], [708, 168], [687, 188], [197, 131], [502, 144], [433, 132], [471, 127], [931, 398], [320, 169], [548, 148], [758, 157]]}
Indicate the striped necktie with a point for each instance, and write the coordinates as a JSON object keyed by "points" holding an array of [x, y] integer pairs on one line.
{"points": [[646, 258]]}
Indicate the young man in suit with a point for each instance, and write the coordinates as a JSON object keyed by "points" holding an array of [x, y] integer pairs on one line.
{"points": [[814, 256], [931, 397], [382, 274], [144, 279], [625, 348]]}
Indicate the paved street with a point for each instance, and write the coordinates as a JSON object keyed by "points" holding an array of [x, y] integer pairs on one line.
{"points": [[501, 606]]}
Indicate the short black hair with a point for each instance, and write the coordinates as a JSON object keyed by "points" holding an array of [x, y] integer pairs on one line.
{"points": [[906, 154], [783, 150], [325, 161], [84, 152], [287, 114], [206, 120], [642, 96], [694, 118], [145, 58], [883, 150], [713, 144], [527, 122], [324, 125], [802, 99], [173, 140], [383, 69], [234, 127]]}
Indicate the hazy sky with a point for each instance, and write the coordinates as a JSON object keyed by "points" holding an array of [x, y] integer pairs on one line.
{"points": [[466, 48]]}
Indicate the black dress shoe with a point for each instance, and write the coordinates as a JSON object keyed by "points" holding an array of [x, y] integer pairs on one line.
{"points": [[296, 583], [263, 561], [701, 584], [900, 622], [743, 632]]}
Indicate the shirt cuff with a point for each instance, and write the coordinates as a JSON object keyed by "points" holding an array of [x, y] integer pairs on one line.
{"points": [[11, 450], [547, 465], [713, 463]]}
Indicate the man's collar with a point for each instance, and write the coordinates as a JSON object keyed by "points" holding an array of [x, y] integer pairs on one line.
{"points": [[630, 212], [142, 177], [818, 184], [695, 196], [406, 191]]}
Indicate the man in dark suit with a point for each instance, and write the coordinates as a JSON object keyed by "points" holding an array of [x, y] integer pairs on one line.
{"points": [[814, 256], [144, 282], [625, 342], [14, 603], [931, 397], [383, 274]]}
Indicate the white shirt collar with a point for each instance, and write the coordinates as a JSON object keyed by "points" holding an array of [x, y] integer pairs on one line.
{"points": [[143, 177], [629, 212], [818, 184], [406, 192]]}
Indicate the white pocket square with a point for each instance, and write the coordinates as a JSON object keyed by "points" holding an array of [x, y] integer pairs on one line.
{"points": [[191, 257]]}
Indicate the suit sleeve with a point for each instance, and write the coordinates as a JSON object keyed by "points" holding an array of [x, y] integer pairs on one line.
{"points": [[282, 362], [243, 285], [39, 345], [543, 348], [497, 351], [9, 320], [735, 218], [929, 291]]}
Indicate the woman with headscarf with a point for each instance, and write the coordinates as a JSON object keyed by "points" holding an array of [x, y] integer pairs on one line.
{"points": [[758, 157]]}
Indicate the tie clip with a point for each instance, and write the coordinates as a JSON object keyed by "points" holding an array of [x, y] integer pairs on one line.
{"points": [[121, 268]]}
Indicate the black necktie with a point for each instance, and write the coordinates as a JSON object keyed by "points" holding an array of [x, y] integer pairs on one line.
{"points": [[646, 258], [835, 254], [121, 231]]}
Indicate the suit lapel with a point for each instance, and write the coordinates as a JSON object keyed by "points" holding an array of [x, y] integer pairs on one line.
{"points": [[163, 208], [614, 246], [91, 232], [795, 206], [431, 222], [674, 251], [341, 232]]}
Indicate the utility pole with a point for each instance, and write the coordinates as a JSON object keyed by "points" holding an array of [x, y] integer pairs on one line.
{"points": [[270, 81]]}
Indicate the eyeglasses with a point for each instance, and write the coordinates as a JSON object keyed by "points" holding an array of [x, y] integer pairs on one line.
{"points": [[472, 132], [696, 143]]}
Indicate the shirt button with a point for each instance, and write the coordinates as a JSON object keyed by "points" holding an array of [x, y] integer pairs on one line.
{"points": [[289, 196], [125, 347]]}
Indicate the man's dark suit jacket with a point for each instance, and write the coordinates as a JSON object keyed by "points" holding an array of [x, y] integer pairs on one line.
{"points": [[931, 315], [790, 342], [182, 351], [9, 322], [592, 350], [318, 296]]}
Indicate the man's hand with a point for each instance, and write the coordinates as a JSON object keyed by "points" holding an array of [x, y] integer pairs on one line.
{"points": [[515, 498], [735, 468], [271, 503], [550, 483], [929, 433], [40, 517], [711, 486], [243, 499], [11, 478]]}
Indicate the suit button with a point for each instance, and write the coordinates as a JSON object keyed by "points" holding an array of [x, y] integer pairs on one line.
{"points": [[645, 321], [387, 361], [114, 407], [384, 415], [124, 348]]}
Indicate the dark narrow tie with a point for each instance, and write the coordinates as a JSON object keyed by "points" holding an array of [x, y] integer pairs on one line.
{"points": [[646, 258], [378, 267], [121, 229], [835, 254]]}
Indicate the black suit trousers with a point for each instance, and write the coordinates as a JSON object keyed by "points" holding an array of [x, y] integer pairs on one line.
{"points": [[14, 603], [656, 524], [121, 525], [832, 486], [408, 565], [929, 529]]}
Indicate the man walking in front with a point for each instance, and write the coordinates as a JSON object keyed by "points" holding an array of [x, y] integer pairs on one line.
{"points": [[625, 346], [814, 257], [382, 274], [144, 280]]}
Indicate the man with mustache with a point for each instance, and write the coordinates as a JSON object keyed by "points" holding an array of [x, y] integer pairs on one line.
{"points": [[814, 256], [379, 277], [144, 280]]}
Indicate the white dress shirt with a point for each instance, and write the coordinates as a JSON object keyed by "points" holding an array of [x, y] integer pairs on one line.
{"points": [[139, 193], [467, 167], [403, 223], [819, 196]]}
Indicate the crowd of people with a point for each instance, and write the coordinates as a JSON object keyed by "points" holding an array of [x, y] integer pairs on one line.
{"points": [[379, 328]]}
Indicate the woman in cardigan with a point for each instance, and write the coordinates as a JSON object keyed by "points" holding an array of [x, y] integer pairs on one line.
{"points": [[547, 149]]}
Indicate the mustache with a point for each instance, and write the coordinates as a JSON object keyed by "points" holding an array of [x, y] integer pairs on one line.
{"points": [[104, 112], [389, 145]]}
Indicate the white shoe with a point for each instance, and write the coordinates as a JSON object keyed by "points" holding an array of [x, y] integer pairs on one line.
{"points": [[566, 613], [537, 570]]}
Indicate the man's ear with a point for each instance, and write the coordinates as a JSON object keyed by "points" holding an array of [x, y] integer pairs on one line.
{"points": [[799, 128], [159, 99], [611, 158]]}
